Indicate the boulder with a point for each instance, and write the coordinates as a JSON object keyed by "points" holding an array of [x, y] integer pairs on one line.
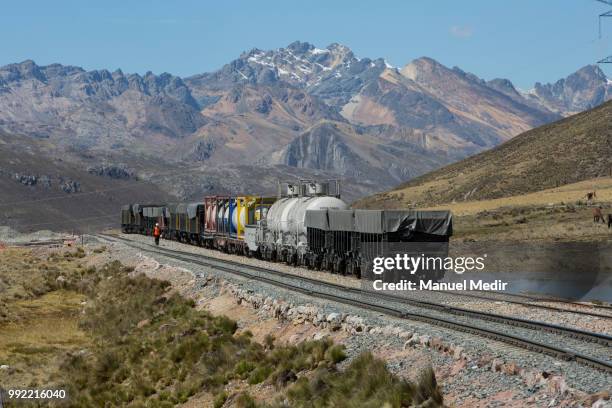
{"points": [[458, 353], [592, 399], [557, 385], [411, 342], [405, 335], [510, 368], [496, 364], [320, 336], [425, 340], [437, 343], [334, 318], [601, 403]]}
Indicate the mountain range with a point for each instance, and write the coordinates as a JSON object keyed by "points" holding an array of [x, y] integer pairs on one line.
{"points": [[298, 111]]}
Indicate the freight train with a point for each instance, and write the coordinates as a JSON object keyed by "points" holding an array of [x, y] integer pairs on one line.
{"points": [[306, 224]]}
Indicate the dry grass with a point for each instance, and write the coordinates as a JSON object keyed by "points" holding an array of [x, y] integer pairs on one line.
{"points": [[565, 223], [366, 382], [569, 194], [39, 322], [559, 214]]}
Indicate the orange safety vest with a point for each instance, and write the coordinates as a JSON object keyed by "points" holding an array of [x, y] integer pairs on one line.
{"points": [[156, 232]]}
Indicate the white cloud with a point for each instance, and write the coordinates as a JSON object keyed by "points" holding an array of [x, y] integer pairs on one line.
{"points": [[461, 31]]}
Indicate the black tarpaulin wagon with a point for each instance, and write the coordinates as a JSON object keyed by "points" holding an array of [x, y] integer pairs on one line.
{"points": [[127, 219], [186, 222], [340, 240]]}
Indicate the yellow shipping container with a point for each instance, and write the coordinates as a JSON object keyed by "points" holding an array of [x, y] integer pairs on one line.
{"points": [[250, 210]]}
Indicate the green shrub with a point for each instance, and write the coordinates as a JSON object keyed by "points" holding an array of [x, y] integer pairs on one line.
{"points": [[181, 351], [243, 368], [366, 382], [220, 399], [335, 354], [269, 341], [260, 374], [244, 400]]}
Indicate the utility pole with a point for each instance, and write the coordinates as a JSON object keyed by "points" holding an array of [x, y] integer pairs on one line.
{"points": [[607, 60]]}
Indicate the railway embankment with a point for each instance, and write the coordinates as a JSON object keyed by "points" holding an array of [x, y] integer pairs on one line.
{"points": [[470, 370]]}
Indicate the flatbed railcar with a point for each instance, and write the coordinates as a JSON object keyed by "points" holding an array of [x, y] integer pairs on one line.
{"points": [[306, 224]]}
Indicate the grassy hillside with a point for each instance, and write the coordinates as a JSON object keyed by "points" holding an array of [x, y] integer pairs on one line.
{"points": [[571, 150]]}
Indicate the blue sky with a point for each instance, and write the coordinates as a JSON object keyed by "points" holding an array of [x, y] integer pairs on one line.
{"points": [[523, 40]]}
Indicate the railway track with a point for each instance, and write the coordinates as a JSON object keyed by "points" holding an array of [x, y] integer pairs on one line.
{"points": [[532, 298], [529, 302], [588, 348]]}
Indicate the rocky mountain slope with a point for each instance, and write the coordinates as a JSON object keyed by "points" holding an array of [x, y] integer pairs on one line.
{"points": [[571, 150], [584, 89], [41, 190], [298, 111], [96, 109]]}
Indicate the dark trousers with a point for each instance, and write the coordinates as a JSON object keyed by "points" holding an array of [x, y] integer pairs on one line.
{"points": [[156, 240]]}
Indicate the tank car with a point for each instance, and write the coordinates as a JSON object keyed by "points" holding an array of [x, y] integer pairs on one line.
{"points": [[281, 236], [227, 218]]}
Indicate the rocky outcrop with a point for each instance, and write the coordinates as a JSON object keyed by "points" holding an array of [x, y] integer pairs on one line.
{"points": [[69, 186], [85, 109], [45, 181], [584, 89], [114, 171], [322, 148]]}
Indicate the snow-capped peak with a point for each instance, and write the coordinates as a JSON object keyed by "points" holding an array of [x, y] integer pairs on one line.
{"points": [[317, 51]]}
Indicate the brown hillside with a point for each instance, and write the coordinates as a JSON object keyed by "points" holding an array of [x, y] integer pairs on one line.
{"points": [[570, 150]]}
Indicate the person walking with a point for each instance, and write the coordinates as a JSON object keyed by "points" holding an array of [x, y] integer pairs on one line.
{"points": [[156, 233]]}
